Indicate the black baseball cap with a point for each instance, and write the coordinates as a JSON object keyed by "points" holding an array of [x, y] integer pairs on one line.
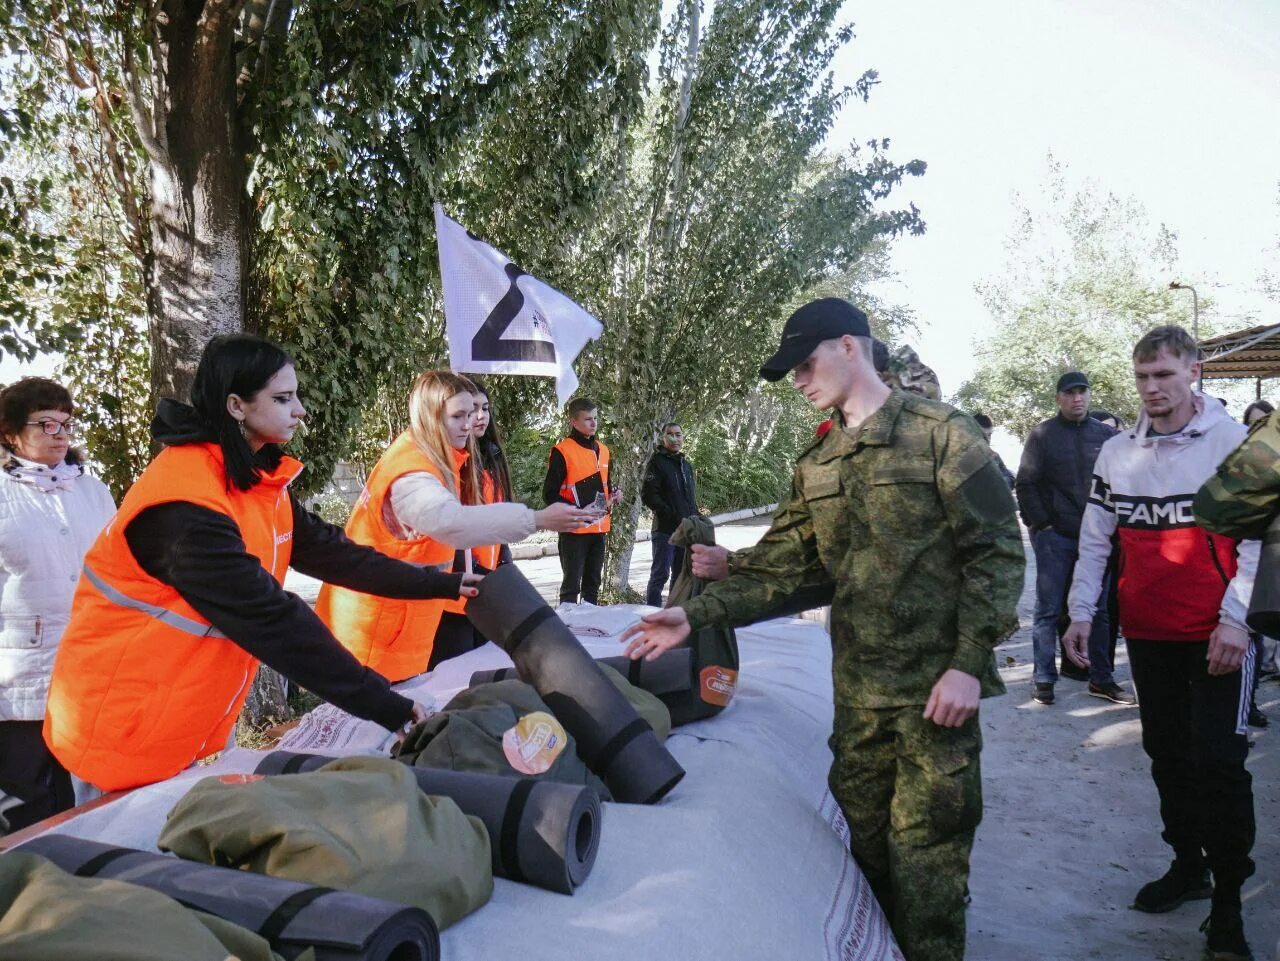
{"points": [[1071, 380], [809, 326]]}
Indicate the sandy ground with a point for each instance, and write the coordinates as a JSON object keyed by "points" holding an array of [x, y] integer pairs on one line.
{"points": [[1071, 828]]}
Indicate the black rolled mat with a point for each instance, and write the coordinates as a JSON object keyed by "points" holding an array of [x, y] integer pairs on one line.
{"points": [[340, 925], [670, 679], [614, 741], [541, 832]]}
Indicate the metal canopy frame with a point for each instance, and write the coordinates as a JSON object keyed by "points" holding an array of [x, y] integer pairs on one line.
{"points": [[1251, 353]]}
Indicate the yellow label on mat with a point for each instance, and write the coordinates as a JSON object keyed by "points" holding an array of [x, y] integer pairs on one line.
{"points": [[534, 743]]}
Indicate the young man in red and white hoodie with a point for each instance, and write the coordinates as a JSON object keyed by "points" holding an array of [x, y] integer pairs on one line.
{"points": [[1184, 594]]}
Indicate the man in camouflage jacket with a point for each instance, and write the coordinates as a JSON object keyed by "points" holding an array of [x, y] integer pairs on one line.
{"points": [[904, 517], [1242, 497]]}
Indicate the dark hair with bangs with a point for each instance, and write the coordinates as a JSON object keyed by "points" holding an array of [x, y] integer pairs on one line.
{"points": [[239, 364], [22, 398], [493, 451]]}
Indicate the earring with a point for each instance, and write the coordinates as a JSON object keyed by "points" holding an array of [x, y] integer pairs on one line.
{"points": [[243, 433]]}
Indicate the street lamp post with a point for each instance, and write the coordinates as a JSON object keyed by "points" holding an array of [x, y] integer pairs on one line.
{"points": [[1195, 322]]}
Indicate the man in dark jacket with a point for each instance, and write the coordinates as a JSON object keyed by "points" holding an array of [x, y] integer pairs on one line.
{"points": [[1052, 488], [669, 492]]}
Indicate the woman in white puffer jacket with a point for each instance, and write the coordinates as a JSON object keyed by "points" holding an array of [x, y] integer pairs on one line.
{"points": [[50, 513]]}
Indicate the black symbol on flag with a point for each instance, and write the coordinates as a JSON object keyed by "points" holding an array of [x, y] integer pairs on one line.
{"points": [[488, 344]]}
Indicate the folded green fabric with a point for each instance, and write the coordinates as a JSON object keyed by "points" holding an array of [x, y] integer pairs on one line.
{"points": [[501, 728], [647, 705], [47, 913], [358, 824]]}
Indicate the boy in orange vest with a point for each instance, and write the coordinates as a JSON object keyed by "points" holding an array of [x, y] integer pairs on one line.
{"points": [[578, 473]]}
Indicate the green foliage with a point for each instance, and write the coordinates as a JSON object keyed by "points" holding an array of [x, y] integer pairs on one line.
{"points": [[369, 118], [78, 292], [1087, 276]]}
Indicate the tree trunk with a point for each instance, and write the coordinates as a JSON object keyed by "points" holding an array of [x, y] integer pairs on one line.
{"points": [[268, 701], [195, 288], [629, 458]]}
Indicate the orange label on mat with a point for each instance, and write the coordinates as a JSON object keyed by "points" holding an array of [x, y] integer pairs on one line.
{"points": [[718, 684], [239, 778], [534, 743]]}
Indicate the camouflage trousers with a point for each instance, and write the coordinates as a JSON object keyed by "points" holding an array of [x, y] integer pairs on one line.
{"points": [[912, 794]]}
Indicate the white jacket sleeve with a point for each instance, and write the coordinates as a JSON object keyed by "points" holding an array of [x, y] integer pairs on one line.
{"points": [[422, 506], [1096, 529], [1235, 602]]}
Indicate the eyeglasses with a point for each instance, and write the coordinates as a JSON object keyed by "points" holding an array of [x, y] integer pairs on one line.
{"points": [[54, 427]]}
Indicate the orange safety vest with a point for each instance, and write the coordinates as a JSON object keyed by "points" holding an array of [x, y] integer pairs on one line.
{"points": [[143, 685], [579, 464], [392, 636]]}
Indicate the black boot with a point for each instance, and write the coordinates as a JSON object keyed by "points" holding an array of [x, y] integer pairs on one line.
{"points": [[1224, 932], [1186, 880]]}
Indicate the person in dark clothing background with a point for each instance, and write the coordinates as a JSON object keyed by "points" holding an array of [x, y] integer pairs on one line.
{"points": [[578, 474], [987, 426], [669, 491], [1052, 487]]}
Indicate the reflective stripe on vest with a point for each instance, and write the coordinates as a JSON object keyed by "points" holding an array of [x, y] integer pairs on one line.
{"points": [[174, 620]]}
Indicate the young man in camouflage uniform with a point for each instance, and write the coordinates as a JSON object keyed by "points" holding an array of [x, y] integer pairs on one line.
{"points": [[901, 513]]}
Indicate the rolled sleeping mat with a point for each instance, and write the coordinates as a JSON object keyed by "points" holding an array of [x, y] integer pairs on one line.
{"points": [[612, 739], [670, 679], [541, 832], [291, 916], [1264, 606]]}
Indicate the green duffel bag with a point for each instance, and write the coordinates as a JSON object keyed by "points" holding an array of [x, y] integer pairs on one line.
{"points": [[47, 913], [359, 824], [501, 728]]}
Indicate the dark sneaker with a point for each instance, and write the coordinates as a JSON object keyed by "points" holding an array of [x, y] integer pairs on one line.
{"points": [[1072, 672], [1112, 692], [1225, 936], [1043, 694], [1182, 882], [1257, 718]]}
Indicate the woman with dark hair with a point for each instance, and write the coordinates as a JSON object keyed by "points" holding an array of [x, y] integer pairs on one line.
{"points": [[181, 596], [1255, 412], [424, 502], [494, 472], [50, 513]]}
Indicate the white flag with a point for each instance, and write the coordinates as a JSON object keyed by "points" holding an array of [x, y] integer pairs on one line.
{"points": [[500, 320]]}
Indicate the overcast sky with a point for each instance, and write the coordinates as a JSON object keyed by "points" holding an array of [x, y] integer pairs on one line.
{"points": [[1176, 102]]}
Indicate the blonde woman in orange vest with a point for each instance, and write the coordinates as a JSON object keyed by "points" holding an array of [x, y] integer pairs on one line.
{"points": [[422, 503], [180, 597], [578, 474]]}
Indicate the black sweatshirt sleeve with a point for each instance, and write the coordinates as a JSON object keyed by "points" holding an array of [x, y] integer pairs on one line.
{"points": [[1026, 487], [651, 491], [200, 554], [324, 552], [556, 473]]}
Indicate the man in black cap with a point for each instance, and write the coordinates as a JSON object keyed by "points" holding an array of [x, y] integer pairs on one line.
{"points": [[1052, 487], [899, 515]]}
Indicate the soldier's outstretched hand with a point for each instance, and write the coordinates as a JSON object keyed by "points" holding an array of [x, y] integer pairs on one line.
{"points": [[954, 699], [710, 561], [656, 633]]}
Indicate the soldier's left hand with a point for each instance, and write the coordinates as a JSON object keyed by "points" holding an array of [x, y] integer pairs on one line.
{"points": [[954, 699], [1227, 648]]}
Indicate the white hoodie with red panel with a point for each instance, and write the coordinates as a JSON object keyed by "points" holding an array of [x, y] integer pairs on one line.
{"points": [[1177, 581]]}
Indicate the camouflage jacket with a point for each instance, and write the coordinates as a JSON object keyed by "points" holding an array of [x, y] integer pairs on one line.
{"points": [[1243, 496], [910, 524]]}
